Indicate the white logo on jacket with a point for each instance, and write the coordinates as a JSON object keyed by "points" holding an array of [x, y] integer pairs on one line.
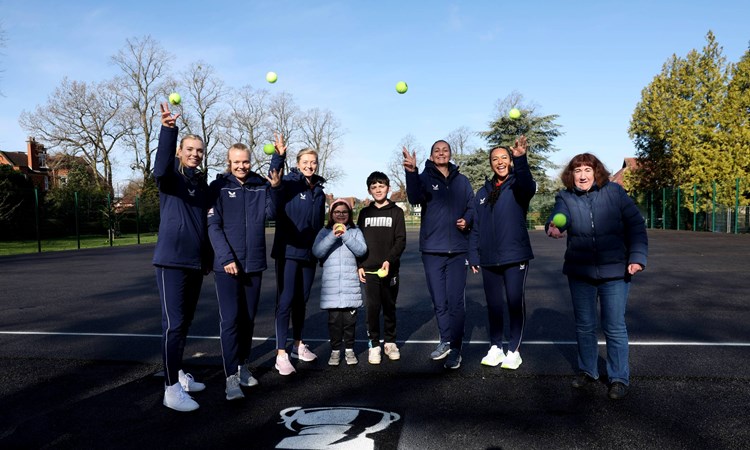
{"points": [[232, 194], [378, 222], [481, 200], [302, 196], [434, 187], [191, 192]]}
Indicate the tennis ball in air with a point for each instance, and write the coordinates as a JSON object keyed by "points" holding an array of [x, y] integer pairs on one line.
{"points": [[401, 87], [559, 220], [514, 113], [382, 273], [269, 149], [271, 77], [174, 98]]}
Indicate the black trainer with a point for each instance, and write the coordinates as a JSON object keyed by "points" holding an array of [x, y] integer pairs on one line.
{"points": [[618, 391], [582, 380]]}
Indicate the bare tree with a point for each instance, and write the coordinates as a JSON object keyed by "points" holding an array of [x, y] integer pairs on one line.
{"points": [[396, 163], [283, 114], [203, 111], [82, 119], [459, 140], [249, 123], [320, 131], [144, 65]]}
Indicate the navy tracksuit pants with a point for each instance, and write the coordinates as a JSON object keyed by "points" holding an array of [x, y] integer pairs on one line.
{"points": [[500, 283], [179, 290], [446, 281], [294, 279], [238, 298]]}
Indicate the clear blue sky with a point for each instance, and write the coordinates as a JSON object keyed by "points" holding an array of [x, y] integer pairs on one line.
{"points": [[585, 61]]}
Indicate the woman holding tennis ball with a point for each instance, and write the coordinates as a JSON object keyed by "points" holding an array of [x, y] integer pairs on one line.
{"points": [[607, 245], [301, 214], [499, 244], [338, 246], [182, 255]]}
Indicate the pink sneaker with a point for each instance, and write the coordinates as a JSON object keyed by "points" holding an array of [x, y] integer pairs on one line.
{"points": [[303, 353], [283, 365]]}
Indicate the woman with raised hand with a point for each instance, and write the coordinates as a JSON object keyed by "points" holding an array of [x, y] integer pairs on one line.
{"points": [[182, 255]]}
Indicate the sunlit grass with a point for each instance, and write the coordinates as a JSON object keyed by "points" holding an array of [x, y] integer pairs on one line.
{"points": [[53, 245]]}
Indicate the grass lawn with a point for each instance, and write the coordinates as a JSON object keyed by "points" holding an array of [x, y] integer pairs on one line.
{"points": [[70, 243]]}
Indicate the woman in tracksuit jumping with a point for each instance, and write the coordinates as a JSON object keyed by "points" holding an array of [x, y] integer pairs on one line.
{"points": [[242, 202], [182, 255], [447, 211], [300, 217]]}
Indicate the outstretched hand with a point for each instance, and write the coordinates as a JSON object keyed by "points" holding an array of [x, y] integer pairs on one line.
{"points": [[410, 160], [554, 232], [279, 143], [167, 119], [274, 177], [519, 147]]}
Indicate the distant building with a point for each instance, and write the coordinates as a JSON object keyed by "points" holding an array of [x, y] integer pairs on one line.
{"points": [[45, 171], [33, 163], [628, 165]]}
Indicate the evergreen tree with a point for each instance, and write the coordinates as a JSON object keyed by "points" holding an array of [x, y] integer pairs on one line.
{"points": [[735, 125]]}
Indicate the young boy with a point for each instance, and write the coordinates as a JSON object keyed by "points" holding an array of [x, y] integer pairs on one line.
{"points": [[382, 223]]}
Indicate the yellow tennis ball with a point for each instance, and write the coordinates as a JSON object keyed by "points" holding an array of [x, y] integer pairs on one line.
{"points": [[271, 77], [514, 113], [339, 227], [559, 220], [174, 98], [382, 273], [401, 87], [269, 149]]}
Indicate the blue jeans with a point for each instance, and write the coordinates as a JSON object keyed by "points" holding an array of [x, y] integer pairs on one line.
{"points": [[612, 295]]}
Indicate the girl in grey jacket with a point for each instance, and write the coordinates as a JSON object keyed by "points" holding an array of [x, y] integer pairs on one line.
{"points": [[338, 246]]}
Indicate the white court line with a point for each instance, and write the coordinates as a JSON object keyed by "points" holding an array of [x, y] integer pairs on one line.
{"points": [[432, 342]]}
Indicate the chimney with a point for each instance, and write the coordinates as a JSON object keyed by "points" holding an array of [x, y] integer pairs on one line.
{"points": [[36, 154]]}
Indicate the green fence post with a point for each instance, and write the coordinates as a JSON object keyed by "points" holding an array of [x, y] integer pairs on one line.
{"points": [[137, 219], [651, 208], [678, 208], [695, 207], [663, 208], [737, 206], [75, 213], [109, 219], [36, 220], [713, 207]]}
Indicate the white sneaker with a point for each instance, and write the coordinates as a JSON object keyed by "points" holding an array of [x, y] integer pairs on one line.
{"points": [[246, 377], [233, 390], [373, 355], [512, 361], [391, 351], [494, 357], [176, 398], [350, 357], [335, 358], [188, 382], [303, 353], [283, 365]]}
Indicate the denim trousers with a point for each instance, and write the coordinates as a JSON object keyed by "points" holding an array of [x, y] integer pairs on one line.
{"points": [[612, 298]]}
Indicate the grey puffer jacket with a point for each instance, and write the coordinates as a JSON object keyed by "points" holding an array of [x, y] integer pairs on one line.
{"points": [[340, 286]]}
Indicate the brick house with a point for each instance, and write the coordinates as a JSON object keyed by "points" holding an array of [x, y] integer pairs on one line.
{"points": [[33, 163]]}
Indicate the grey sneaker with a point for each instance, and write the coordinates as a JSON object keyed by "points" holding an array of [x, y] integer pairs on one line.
{"points": [[454, 359], [233, 388], [188, 382], [350, 357], [441, 351], [335, 358], [246, 377]]}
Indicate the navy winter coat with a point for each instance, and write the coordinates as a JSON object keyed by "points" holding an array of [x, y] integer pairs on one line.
{"points": [[301, 214], [236, 220], [499, 235], [183, 202], [444, 200], [606, 232]]}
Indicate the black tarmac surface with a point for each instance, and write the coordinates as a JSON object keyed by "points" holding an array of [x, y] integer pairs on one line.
{"points": [[80, 362]]}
